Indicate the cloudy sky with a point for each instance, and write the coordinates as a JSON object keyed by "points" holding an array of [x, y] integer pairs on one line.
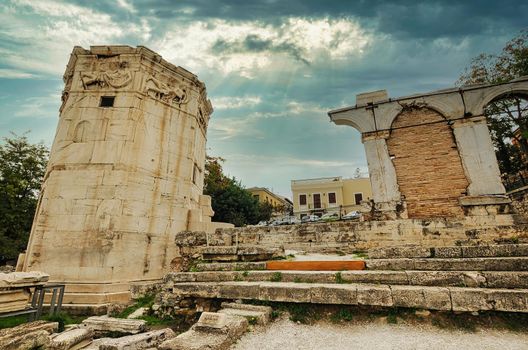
{"points": [[272, 68]]}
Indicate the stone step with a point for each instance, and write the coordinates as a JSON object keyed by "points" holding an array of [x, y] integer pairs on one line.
{"points": [[450, 264], [255, 314], [240, 253], [496, 250], [422, 297], [231, 266], [481, 279]]}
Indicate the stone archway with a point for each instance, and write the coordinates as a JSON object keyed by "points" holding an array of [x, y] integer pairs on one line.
{"points": [[428, 167]]}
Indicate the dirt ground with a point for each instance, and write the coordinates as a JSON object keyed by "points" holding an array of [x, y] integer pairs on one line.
{"points": [[284, 334]]}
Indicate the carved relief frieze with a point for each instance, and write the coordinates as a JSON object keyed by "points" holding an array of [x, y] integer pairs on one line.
{"points": [[98, 80], [171, 94]]}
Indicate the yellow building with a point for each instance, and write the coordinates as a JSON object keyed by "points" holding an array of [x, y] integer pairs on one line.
{"points": [[281, 205], [329, 195]]}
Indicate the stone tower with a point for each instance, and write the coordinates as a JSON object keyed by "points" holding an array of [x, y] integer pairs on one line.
{"points": [[125, 173]]}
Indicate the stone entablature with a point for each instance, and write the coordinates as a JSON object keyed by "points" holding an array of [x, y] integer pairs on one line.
{"points": [[461, 112], [125, 174]]}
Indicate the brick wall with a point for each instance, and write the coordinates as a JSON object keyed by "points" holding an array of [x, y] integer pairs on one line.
{"points": [[428, 166]]}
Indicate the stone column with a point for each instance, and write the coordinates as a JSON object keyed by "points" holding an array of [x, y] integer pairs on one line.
{"points": [[478, 157], [383, 180], [480, 164]]}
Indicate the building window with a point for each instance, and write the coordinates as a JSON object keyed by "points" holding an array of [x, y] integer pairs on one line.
{"points": [[332, 198], [317, 200], [107, 101], [302, 199], [358, 197]]}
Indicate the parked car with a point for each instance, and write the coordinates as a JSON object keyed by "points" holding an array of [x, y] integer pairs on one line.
{"points": [[289, 220], [262, 223], [330, 217], [310, 218], [353, 215]]}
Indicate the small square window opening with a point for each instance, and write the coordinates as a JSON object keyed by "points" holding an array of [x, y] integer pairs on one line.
{"points": [[107, 101]]}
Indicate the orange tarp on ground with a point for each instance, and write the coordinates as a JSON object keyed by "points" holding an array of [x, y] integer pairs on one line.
{"points": [[316, 265]]}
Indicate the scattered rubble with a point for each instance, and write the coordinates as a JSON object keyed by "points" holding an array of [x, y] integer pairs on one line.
{"points": [[30, 335]]}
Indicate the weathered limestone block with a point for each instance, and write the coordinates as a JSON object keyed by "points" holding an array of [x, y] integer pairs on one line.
{"points": [[373, 276], [448, 252], [288, 292], [503, 250], [374, 295], [390, 264], [20, 279], [140, 341], [215, 337], [72, 339], [446, 278], [262, 314], [13, 300], [506, 279], [335, 294], [473, 299], [200, 290], [433, 298], [103, 324], [27, 336], [238, 266], [238, 290], [399, 252]]}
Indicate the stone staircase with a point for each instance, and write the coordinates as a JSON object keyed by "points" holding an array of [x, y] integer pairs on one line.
{"points": [[472, 278]]}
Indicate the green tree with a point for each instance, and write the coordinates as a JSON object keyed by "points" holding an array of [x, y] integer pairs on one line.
{"points": [[508, 114], [230, 201], [22, 168]]}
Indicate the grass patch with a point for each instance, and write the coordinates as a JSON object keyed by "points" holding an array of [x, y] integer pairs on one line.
{"points": [[238, 278], [297, 280], [339, 278], [361, 255], [276, 277], [145, 301], [63, 319], [12, 321], [245, 273]]}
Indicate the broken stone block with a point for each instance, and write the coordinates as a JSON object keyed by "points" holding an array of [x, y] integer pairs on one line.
{"points": [[103, 324], [21, 279], [138, 341], [208, 336], [30, 335], [253, 317], [72, 339]]}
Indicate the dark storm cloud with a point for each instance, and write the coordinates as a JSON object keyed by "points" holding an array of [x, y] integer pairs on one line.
{"points": [[416, 19], [253, 43]]}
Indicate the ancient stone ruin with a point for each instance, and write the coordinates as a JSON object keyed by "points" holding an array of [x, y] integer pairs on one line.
{"points": [[430, 155], [125, 173]]}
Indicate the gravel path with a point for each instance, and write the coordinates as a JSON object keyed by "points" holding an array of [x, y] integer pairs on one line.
{"points": [[286, 335]]}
